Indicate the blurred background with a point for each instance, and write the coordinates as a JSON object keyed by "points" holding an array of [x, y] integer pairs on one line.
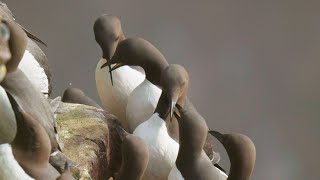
{"points": [[254, 65]]}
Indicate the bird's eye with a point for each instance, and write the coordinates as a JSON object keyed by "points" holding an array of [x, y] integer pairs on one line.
{"points": [[4, 31], [117, 38]]}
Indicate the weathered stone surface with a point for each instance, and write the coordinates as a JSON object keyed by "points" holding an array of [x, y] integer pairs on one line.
{"points": [[88, 137]]}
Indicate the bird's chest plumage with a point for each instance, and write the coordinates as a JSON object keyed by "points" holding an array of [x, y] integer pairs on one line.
{"points": [[9, 167], [34, 72], [142, 103], [163, 150], [114, 98]]}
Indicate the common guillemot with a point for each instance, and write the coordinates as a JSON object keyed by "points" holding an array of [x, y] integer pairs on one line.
{"points": [[242, 154], [163, 150], [113, 92], [192, 162], [139, 52], [135, 156]]}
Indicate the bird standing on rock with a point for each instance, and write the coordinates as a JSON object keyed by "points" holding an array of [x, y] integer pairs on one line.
{"points": [[139, 52], [163, 149], [113, 89]]}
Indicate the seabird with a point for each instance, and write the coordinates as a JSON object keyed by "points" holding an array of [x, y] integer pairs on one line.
{"points": [[163, 150], [27, 156], [242, 154], [31, 100], [17, 84], [77, 96], [8, 128], [113, 90], [139, 52], [31, 147], [135, 156], [192, 162]]}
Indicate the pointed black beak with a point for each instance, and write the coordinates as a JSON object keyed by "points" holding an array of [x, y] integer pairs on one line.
{"points": [[30, 35], [108, 63]]}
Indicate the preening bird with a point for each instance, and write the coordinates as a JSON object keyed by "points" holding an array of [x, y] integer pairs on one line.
{"points": [[113, 89]]}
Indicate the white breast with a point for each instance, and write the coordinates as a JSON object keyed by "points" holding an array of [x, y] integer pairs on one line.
{"points": [[163, 150], [10, 169], [114, 98], [175, 174], [141, 103], [35, 73]]}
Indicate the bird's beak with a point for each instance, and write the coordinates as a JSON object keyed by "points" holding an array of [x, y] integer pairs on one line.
{"points": [[172, 105], [116, 66], [108, 63], [217, 135], [121, 132], [30, 35]]}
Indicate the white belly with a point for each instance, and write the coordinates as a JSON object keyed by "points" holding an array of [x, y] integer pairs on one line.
{"points": [[175, 174], [10, 169], [141, 104], [35, 73], [163, 150], [114, 98]]}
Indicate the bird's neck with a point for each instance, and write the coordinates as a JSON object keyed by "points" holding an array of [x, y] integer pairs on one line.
{"points": [[241, 167], [163, 106], [153, 71]]}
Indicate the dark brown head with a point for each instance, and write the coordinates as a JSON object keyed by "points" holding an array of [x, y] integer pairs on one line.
{"points": [[242, 154], [135, 156], [174, 82], [31, 146], [108, 33], [139, 52], [77, 96], [193, 130]]}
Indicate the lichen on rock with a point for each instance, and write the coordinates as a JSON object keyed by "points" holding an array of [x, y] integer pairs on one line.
{"points": [[88, 138]]}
